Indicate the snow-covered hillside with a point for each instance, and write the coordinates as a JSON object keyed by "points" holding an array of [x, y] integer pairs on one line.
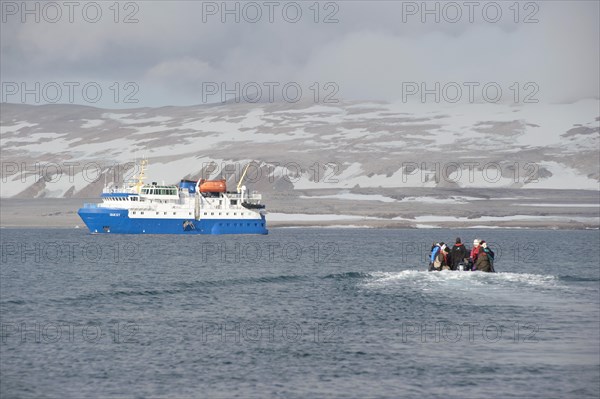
{"points": [[70, 150]]}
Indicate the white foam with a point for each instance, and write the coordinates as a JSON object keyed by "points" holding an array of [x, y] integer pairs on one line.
{"points": [[427, 280]]}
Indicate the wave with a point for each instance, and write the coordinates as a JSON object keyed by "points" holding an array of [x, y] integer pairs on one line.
{"points": [[175, 288], [341, 276], [579, 278], [450, 278]]}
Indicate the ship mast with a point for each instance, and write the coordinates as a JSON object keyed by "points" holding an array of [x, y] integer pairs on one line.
{"points": [[141, 176]]}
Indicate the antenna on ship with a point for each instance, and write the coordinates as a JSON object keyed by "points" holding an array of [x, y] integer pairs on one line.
{"points": [[239, 185]]}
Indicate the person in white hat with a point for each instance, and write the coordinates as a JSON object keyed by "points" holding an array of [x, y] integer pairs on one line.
{"points": [[475, 251]]}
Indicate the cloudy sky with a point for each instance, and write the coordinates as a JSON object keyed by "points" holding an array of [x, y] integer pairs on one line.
{"points": [[183, 52]]}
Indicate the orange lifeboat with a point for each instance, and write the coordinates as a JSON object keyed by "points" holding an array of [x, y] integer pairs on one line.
{"points": [[212, 186]]}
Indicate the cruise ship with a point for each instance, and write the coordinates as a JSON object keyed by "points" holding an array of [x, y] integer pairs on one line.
{"points": [[191, 207]]}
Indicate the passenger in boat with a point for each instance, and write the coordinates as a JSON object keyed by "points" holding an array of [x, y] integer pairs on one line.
{"points": [[432, 255], [446, 254], [474, 252], [458, 254], [438, 257], [485, 258]]}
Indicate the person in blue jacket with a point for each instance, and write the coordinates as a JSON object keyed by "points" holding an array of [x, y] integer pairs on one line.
{"points": [[436, 258]]}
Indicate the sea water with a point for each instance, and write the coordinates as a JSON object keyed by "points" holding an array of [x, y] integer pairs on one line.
{"points": [[298, 313]]}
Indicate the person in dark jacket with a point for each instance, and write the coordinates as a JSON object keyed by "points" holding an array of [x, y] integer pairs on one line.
{"points": [[485, 259], [458, 254]]}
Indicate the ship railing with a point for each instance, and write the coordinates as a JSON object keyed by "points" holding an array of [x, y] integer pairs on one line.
{"points": [[251, 196], [90, 205]]}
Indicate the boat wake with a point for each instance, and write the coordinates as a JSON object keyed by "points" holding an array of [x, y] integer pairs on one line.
{"points": [[461, 280]]}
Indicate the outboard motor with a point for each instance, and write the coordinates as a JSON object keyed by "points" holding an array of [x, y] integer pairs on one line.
{"points": [[189, 184]]}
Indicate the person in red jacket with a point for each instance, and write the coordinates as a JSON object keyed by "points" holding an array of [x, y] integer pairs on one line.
{"points": [[475, 251]]}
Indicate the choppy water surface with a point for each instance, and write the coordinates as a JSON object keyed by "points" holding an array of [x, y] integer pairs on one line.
{"points": [[297, 313]]}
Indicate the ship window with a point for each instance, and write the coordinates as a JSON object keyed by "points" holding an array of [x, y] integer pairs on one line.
{"points": [[190, 213], [204, 213], [157, 213], [255, 224], [212, 213], [262, 224], [141, 213], [134, 212], [164, 213], [219, 213], [173, 213], [234, 214]]}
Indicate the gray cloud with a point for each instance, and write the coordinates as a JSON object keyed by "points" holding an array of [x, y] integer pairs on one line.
{"points": [[170, 52]]}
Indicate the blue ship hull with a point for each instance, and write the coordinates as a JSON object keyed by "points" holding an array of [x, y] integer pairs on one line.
{"points": [[117, 221]]}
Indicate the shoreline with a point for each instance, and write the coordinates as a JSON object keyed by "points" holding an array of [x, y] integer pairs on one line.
{"points": [[541, 226], [571, 210]]}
